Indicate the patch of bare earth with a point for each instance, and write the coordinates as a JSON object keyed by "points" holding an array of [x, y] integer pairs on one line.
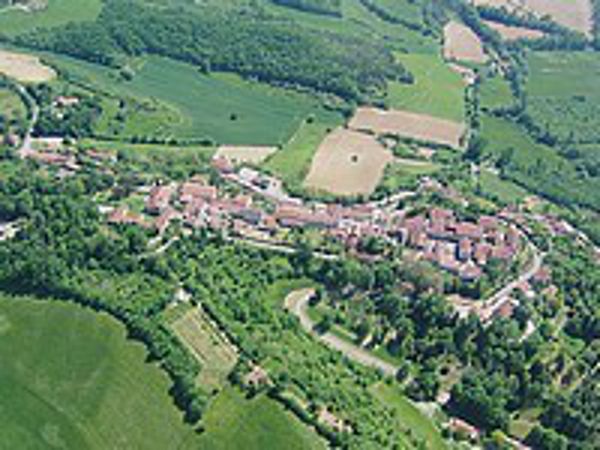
{"points": [[574, 14], [237, 154], [25, 68], [411, 125], [348, 162], [462, 44], [510, 33]]}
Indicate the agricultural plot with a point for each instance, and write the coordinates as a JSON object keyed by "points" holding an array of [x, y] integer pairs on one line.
{"points": [[348, 163], [511, 33], [495, 93], [437, 89], [234, 422], [11, 105], [238, 154], [69, 378], [24, 68], [564, 95], [409, 125], [574, 14], [215, 354], [14, 21], [462, 44]]}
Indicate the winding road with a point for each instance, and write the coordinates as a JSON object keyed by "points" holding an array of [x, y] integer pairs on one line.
{"points": [[297, 303]]}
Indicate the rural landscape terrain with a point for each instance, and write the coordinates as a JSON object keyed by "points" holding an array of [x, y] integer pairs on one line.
{"points": [[300, 224]]}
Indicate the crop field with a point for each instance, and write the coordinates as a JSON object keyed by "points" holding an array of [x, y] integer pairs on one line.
{"points": [[437, 90], [410, 417], [292, 162], [511, 33], [462, 44], [348, 163], [174, 98], [234, 422], [564, 94], [495, 93], [70, 379], [24, 68], [409, 125], [15, 21], [574, 14], [239, 154], [216, 355]]}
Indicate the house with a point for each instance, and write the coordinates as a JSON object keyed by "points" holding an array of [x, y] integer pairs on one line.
{"points": [[122, 216], [193, 190], [222, 165], [468, 230], [470, 272], [164, 220], [159, 199], [465, 249], [65, 101], [505, 310], [257, 377], [482, 252], [461, 427]]}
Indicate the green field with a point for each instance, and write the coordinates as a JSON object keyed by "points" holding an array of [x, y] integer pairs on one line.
{"points": [[257, 424], [564, 94], [409, 416], [437, 90], [11, 105], [292, 162], [503, 190], [70, 379], [175, 99], [59, 12], [495, 93]]}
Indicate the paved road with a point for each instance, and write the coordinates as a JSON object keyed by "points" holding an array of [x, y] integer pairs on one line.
{"points": [[297, 302]]}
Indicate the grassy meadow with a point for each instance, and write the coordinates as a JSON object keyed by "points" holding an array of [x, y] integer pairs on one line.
{"points": [[69, 378], [259, 423], [11, 105], [437, 90], [14, 21], [495, 93]]}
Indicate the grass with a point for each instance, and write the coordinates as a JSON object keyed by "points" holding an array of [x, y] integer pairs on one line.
{"points": [[409, 417], [70, 379], [401, 175], [234, 422], [437, 90], [504, 190], [11, 105], [292, 162], [495, 93], [216, 356], [59, 12]]}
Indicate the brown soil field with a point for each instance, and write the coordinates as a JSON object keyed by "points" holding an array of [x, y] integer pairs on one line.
{"points": [[245, 154], [513, 33], [574, 14], [24, 68], [462, 44], [411, 125], [348, 162], [208, 345]]}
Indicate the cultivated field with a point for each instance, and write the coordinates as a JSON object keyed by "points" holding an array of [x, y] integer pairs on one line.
{"points": [[348, 162], [574, 14], [238, 154], [437, 90], [70, 379], [15, 21], [234, 422], [216, 355], [462, 44], [24, 68], [511, 33], [410, 125]]}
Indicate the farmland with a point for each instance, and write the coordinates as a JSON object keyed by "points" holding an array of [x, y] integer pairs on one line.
{"points": [[565, 109], [462, 44], [58, 12], [70, 379], [408, 125], [245, 154], [511, 33], [210, 347], [348, 163], [437, 90], [258, 423], [24, 68]]}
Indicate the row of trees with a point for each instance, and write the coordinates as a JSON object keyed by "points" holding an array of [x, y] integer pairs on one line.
{"points": [[325, 7]]}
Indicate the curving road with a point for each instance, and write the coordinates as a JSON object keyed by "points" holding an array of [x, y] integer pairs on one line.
{"points": [[297, 302]]}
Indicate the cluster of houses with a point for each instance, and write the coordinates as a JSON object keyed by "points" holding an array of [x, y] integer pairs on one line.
{"points": [[462, 248], [459, 247]]}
